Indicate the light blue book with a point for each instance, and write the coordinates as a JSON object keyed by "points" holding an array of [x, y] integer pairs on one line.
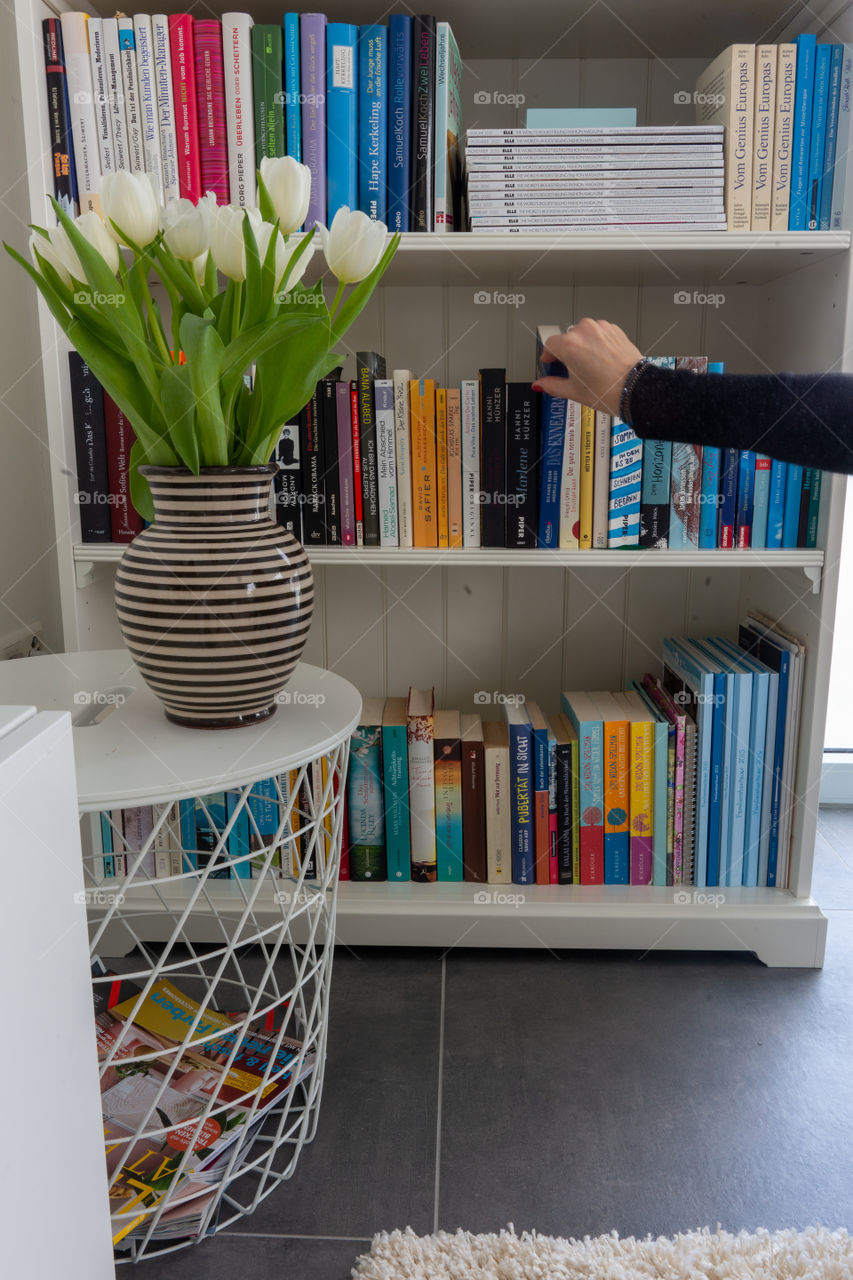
{"points": [[709, 534], [779, 661], [581, 118], [793, 495], [373, 120], [725, 719], [761, 500], [292, 111], [684, 674], [264, 820], [833, 102], [655, 510], [395, 773], [626, 484], [765, 691], [238, 837], [107, 848], [399, 120], [750, 727], [553, 414], [188, 835], [341, 117], [662, 731], [776, 503], [817, 144], [843, 139], [803, 93]]}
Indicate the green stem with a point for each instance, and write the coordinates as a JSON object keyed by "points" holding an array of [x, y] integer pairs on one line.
{"points": [[153, 328], [238, 306], [339, 293]]}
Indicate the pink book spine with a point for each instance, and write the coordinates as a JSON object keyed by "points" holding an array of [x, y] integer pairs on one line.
{"points": [[678, 843], [186, 118], [553, 864], [210, 109], [345, 471]]}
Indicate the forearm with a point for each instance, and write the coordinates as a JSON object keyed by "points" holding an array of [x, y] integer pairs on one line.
{"points": [[802, 418]]}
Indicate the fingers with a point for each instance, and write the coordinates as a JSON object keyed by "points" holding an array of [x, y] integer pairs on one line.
{"points": [[559, 387]]}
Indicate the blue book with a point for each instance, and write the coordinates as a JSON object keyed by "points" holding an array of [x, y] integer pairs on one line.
{"points": [[552, 417], [188, 835], [776, 502], [617, 843], [793, 496], [341, 118], [817, 144], [373, 120], [107, 848], [779, 661], [626, 486], [745, 498], [521, 793], [842, 142], [395, 776], [238, 837], [833, 103], [803, 93], [264, 820], [709, 497], [292, 111], [656, 515], [761, 500], [719, 834], [693, 686], [728, 496], [583, 713], [662, 730], [399, 120]]}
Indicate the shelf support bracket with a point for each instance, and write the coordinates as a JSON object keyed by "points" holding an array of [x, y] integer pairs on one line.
{"points": [[813, 573], [84, 573]]}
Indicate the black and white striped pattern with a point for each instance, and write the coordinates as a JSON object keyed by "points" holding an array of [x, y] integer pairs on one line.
{"points": [[214, 599]]}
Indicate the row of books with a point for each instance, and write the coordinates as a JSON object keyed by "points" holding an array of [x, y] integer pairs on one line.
{"points": [[786, 113], [679, 780], [374, 111], [173, 1134], [599, 178]]}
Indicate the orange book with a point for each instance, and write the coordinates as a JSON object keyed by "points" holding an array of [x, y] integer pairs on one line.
{"points": [[541, 816], [454, 466], [422, 416], [617, 796], [441, 463]]}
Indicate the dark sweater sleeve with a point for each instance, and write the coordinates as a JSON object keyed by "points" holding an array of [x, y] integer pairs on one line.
{"points": [[805, 418]]}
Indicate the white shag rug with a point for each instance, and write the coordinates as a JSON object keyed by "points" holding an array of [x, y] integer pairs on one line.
{"points": [[814, 1254]]}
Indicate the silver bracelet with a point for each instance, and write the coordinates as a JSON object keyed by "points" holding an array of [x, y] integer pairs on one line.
{"points": [[630, 383]]}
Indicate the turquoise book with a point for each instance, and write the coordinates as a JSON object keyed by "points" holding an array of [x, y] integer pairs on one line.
{"points": [[365, 802], [817, 143], [761, 499], [239, 847], [776, 503], [373, 120], [793, 497], [803, 93], [292, 110], [264, 819], [341, 117], [395, 778], [447, 747], [832, 112], [662, 729], [709, 494], [739, 680], [725, 716]]}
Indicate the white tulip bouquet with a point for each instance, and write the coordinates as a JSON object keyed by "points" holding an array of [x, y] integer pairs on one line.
{"points": [[184, 392]]}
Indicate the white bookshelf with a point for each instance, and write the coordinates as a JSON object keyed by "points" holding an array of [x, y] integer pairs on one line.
{"points": [[539, 622]]}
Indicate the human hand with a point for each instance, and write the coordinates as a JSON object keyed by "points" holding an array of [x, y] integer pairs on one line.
{"points": [[598, 356]]}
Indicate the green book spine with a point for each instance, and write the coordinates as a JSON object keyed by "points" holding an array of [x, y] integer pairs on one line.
{"points": [[365, 805], [267, 54], [395, 764]]}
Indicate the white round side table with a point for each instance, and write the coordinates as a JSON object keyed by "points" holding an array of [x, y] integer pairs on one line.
{"points": [[211, 866]]}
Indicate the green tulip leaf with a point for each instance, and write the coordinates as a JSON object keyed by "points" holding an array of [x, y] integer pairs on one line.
{"points": [[140, 493], [265, 203], [179, 406]]}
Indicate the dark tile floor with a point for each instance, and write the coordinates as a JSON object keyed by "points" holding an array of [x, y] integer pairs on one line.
{"points": [[575, 1093]]}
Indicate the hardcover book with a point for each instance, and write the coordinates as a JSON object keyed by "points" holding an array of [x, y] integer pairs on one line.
{"points": [[59, 118], [369, 366], [268, 90], [422, 416], [90, 447], [448, 130], [473, 799], [420, 711], [766, 58], [423, 123], [312, 34], [492, 494], [239, 108], [210, 108], [341, 117], [373, 120], [395, 775], [522, 465], [725, 95], [365, 802], [783, 132], [399, 120], [522, 792], [186, 116], [448, 795], [498, 802]]}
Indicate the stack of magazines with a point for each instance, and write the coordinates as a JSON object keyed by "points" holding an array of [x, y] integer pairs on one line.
{"points": [[596, 179]]}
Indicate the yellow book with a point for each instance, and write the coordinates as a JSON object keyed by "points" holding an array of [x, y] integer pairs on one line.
{"points": [[614, 717], [642, 784], [441, 474], [454, 466], [586, 486], [422, 416]]}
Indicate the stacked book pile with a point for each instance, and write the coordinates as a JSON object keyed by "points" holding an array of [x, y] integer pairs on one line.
{"points": [[595, 179]]}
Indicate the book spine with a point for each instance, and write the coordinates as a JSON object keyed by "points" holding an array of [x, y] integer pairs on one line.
{"points": [[419, 739], [239, 113], [167, 845], [776, 504], [493, 457], [471, 510], [576, 822], [165, 107], [84, 130], [793, 492], [817, 142], [132, 104], [341, 117], [654, 499], [369, 367], [356, 464], [288, 482], [626, 479], [764, 119], [373, 120], [709, 497], [570, 479], [552, 416], [343, 872], [137, 824], [210, 109], [423, 125], [345, 471], [313, 488], [366, 809], [521, 775], [292, 105], [92, 495], [786, 77], [399, 120], [553, 823], [761, 500], [565, 863], [474, 812], [383, 389], [660, 780], [498, 825], [403, 454], [331, 465], [678, 804], [441, 470], [842, 142], [454, 467], [805, 498], [828, 170], [617, 848], [814, 509], [590, 771], [745, 498], [395, 769], [685, 507], [587, 453], [541, 815], [239, 847], [522, 452], [312, 36], [125, 523], [448, 130], [189, 839], [728, 497], [103, 121], [422, 412], [186, 112], [115, 93], [148, 104], [59, 118], [642, 748], [448, 809], [801, 134], [268, 90]]}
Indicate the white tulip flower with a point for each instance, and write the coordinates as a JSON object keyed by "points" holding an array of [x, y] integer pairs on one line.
{"points": [[52, 254], [58, 250], [186, 226], [289, 185], [92, 226], [226, 238], [352, 245], [263, 231], [129, 201], [297, 271]]}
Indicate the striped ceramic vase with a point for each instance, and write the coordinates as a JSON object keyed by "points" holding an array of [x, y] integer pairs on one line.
{"points": [[214, 599]]}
